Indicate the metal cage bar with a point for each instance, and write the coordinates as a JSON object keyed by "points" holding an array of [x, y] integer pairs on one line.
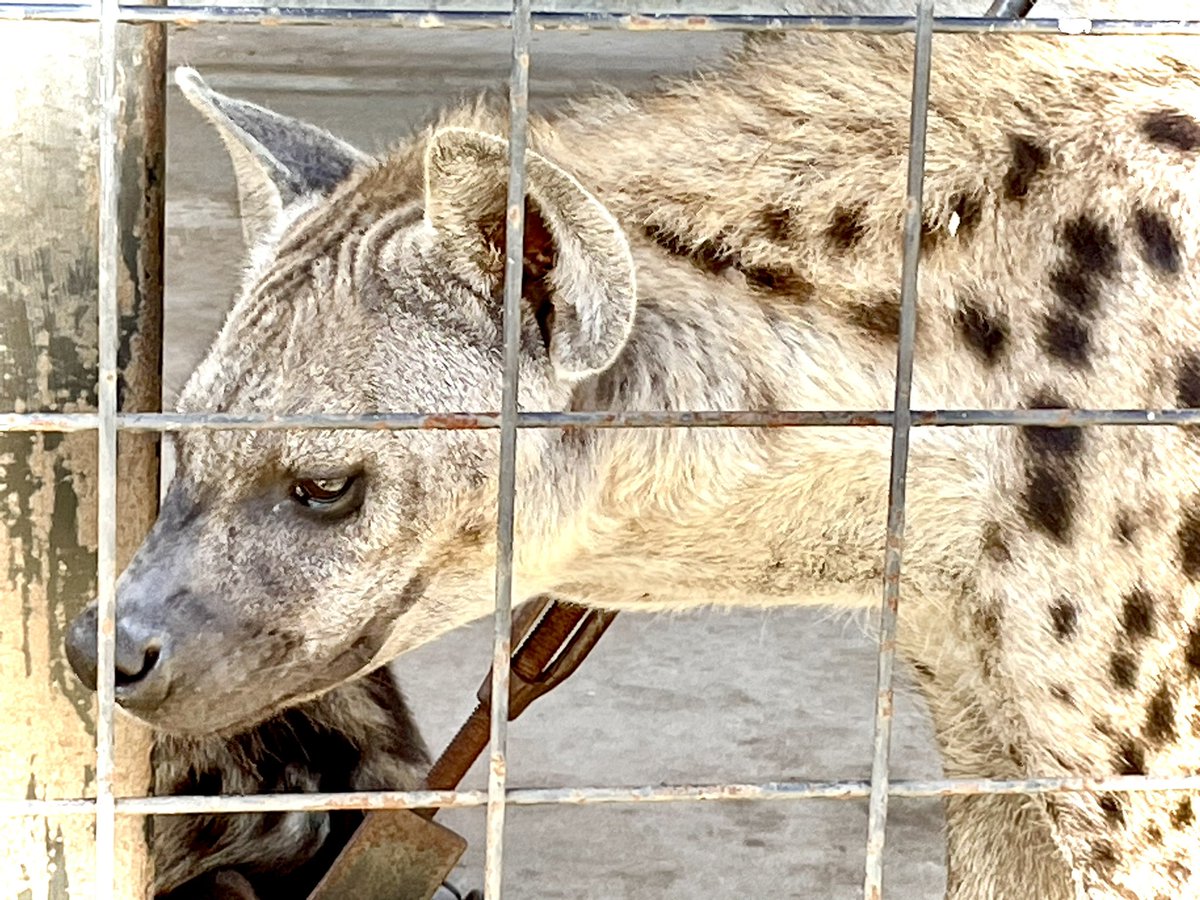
{"points": [[107, 422], [403, 17], [106, 550], [514, 271], [901, 431]]}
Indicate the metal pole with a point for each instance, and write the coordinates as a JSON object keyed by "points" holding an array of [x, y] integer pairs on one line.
{"points": [[51, 539], [901, 430]]}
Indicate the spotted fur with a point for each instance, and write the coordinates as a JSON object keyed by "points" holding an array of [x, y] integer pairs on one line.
{"points": [[1052, 576]]}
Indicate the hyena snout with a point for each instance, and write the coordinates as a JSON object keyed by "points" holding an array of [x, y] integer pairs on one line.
{"points": [[143, 659]]}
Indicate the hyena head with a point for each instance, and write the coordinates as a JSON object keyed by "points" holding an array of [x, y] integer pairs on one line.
{"points": [[286, 562]]}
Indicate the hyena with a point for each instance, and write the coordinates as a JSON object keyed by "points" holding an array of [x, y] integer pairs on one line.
{"points": [[732, 241]]}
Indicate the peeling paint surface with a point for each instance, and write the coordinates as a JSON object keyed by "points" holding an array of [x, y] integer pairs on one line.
{"points": [[48, 491]]}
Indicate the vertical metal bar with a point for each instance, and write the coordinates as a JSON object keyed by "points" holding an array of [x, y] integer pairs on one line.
{"points": [[106, 551], [514, 241], [877, 815]]}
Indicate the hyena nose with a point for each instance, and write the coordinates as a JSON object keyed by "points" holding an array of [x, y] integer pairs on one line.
{"points": [[142, 670]]}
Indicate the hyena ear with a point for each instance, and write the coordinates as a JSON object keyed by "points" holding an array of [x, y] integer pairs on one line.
{"points": [[277, 160], [579, 273]]}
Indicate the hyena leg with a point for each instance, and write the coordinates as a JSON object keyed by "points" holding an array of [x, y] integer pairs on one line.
{"points": [[998, 847]]}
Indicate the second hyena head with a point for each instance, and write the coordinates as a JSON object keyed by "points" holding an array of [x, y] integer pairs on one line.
{"points": [[285, 562]]}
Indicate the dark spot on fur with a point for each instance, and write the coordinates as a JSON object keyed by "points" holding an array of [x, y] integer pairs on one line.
{"points": [[1075, 288], [1131, 759], [1114, 815], [777, 281], [1172, 128], [1182, 815], [925, 671], [1178, 872], [1092, 246], [1160, 247], [845, 227], [1028, 160], [777, 225], [987, 623], [1061, 694], [1191, 652], [878, 315], [1126, 527], [995, 547], [1045, 440], [710, 255], [1064, 619], [1067, 338], [1154, 834], [1123, 668], [1104, 855], [1051, 476], [1189, 538], [1187, 381], [984, 333], [1137, 614], [1160, 715]]}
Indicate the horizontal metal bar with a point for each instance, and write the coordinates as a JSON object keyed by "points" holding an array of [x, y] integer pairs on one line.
{"points": [[469, 421], [590, 21], [585, 796]]}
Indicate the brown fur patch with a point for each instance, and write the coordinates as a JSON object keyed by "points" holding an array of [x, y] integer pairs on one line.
{"points": [[1182, 815], [1123, 669], [1189, 539], [846, 227], [986, 334], [1160, 246], [1064, 619], [1029, 158], [1067, 338], [1187, 381], [1137, 614], [1051, 471], [879, 315], [1131, 758], [1172, 128], [1160, 715], [1114, 814]]}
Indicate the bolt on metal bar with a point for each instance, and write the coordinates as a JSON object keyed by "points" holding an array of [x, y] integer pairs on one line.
{"points": [[106, 550], [901, 432], [477, 421], [585, 796], [400, 17], [514, 271]]}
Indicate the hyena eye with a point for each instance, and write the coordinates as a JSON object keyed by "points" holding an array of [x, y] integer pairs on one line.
{"points": [[328, 496]]}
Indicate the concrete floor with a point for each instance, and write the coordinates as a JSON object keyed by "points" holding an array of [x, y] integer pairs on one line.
{"points": [[711, 696]]}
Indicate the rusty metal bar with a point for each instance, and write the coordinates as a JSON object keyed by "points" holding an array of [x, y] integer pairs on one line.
{"points": [[901, 432], [569, 796], [399, 17], [106, 549], [476, 421], [514, 271]]}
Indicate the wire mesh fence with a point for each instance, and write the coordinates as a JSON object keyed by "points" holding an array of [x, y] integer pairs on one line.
{"points": [[108, 421]]}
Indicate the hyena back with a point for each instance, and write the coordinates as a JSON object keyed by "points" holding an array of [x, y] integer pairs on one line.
{"points": [[732, 242]]}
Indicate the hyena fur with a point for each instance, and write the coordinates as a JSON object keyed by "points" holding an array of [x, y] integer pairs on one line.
{"points": [[725, 242], [359, 736]]}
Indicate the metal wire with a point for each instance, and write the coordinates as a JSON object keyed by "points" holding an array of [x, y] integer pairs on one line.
{"points": [[589, 21], [901, 431], [106, 549], [469, 421], [587, 796], [514, 271]]}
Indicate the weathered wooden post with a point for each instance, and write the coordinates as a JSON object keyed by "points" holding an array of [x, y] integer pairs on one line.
{"points": [[48, 354]]}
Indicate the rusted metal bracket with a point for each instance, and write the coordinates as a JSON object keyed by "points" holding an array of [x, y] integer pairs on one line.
{"points": [[402, 854]]}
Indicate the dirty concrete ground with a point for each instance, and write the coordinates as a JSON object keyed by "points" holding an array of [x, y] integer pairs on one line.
{"points": [[711, 696]]}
